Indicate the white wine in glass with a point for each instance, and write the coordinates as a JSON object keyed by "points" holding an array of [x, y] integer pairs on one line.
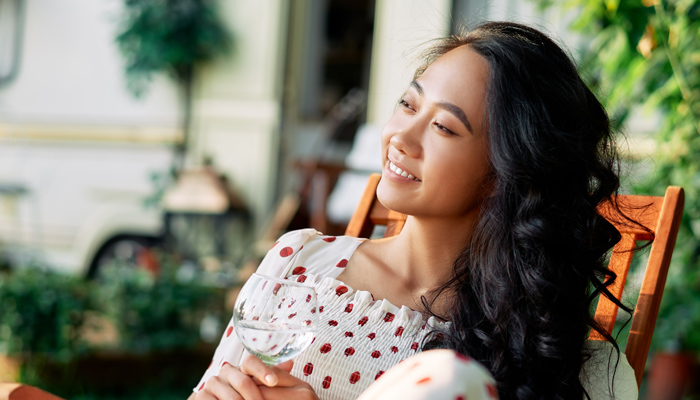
{"points": [[275, 319]]}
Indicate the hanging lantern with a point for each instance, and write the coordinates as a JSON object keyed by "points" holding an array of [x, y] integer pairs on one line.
{"points": [[206, 222]]}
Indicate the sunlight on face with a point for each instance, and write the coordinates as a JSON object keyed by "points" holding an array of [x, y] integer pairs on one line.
{"points": [[434, 147]]}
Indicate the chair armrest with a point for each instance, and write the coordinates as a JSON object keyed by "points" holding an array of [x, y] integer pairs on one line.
{"points": [[18, 391]]}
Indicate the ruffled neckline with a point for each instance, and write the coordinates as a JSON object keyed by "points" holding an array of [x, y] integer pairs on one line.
{"points": [[330, 289]]}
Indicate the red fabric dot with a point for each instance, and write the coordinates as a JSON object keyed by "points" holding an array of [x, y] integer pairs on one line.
{"points": [[399, 331], [286, 251], [376, 354], [371, 336], [326, 382], [394, 349], [320, 309], [313, 310], [308, 299], [298, 270], [329, 239], [349, 307], [301, 278], [414, 346], [363, 321], [388, 317], [333, 323], [491, 389], [354, 377], [308, 369], [276, 288], [341, 290], [349, 351], [423, 380], [342, 263], [380, 373], [348, 334], [228, 331], [292, 315], [325, 348], [201, 386]]}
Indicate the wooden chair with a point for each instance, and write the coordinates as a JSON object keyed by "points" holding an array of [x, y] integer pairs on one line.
{"points": [[661, 215]]}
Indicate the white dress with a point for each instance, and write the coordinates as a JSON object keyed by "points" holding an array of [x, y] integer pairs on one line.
{"points": [[360, 338]]}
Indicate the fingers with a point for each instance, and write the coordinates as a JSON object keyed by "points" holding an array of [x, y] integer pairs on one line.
{"points": [[234, 384], [217, 388], [286, 366], [254, 367]]}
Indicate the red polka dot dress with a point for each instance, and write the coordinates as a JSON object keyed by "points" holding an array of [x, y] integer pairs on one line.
{"points": [[359, 339]]}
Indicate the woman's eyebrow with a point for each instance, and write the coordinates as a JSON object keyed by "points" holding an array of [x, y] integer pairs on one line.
{"points": [[452, 108]]}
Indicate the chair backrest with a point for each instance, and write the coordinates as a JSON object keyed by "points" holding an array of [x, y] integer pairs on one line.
{"points": [[661, 215]]}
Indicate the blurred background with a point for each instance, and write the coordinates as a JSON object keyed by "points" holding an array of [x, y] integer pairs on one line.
{"points": [[151, 151]]}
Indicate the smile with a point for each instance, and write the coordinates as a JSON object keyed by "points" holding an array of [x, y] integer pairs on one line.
{"points": [[399, 171]]}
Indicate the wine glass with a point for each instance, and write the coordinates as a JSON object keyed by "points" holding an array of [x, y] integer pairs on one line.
{"points": [[275, 319]]}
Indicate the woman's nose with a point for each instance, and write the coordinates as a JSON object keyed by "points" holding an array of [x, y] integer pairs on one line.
{"points": [[406, 138]]}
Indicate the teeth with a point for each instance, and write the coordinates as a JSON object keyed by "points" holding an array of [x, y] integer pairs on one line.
{"points": [[401, 172]]}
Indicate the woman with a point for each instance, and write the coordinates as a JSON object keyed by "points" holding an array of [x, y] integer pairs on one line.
{"points": [[499, 154]]}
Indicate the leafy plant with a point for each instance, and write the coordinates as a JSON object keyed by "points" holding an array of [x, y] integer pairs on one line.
{"points": [[172, 36], [156, 313], [42, 313], [646, 54]]}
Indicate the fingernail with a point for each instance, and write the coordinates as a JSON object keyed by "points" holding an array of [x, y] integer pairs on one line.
{"points": [[271, 379]]}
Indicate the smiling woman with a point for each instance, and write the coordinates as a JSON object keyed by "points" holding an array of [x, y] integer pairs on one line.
{"points": [[499, 154]]}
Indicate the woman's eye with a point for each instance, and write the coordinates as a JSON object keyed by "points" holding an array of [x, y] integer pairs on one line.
{"points": [[404, 103], [442, 128]]}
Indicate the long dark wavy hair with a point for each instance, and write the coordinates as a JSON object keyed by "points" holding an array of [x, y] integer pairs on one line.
{"points": [[523, 288]]}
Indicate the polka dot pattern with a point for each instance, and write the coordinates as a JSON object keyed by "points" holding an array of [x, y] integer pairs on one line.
{"points": [[358, 337]]}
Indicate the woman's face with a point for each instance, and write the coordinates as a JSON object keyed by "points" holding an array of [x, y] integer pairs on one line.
{"points": [[437, 140]]}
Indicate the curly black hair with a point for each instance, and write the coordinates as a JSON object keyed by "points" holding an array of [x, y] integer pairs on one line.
{"points": [[522, 289]]}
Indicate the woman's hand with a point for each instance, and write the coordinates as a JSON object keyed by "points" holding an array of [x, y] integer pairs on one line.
{"points": [[288, 386], [253, 380]]}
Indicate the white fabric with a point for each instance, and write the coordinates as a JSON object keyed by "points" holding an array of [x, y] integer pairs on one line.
{"points": [[360, 338]]}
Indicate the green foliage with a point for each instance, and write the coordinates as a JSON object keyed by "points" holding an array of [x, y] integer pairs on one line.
{"points": [[42, 313], [155, 314], [646, 53], [171, 36]]}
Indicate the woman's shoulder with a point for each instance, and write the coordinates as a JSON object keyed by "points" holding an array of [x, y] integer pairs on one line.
{"points": [[608, 374], [307, 247]]}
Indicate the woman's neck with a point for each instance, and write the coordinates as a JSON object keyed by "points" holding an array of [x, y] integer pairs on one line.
{"points": [[423, 254]]}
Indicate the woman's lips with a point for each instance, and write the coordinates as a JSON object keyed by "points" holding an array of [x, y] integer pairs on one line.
{"points": [[400, 172]]}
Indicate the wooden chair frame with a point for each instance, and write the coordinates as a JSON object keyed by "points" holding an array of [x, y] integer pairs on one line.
{"points": [[661, 215]]}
